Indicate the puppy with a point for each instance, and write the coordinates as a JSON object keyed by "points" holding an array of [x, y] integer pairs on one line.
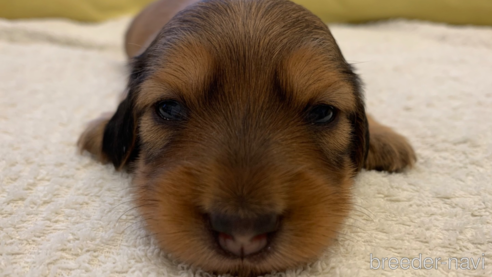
{"points": [[244, 127]]}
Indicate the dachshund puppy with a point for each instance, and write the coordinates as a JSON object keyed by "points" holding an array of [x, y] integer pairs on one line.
{"points": [[244, 127]]}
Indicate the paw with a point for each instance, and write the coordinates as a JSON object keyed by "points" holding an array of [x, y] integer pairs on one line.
{"points": [[388, 151], [91, 139]]}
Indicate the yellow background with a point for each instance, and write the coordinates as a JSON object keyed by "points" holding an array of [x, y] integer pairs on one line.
{"points": [[478, 12]]}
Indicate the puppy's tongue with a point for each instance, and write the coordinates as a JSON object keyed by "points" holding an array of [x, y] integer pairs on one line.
{"points": [[242, 245]]}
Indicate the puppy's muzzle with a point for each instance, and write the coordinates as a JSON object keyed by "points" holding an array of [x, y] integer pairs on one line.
{"points": [[243, 236]]}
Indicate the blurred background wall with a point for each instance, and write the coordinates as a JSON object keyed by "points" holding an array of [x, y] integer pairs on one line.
{"points": [[475, 12]]}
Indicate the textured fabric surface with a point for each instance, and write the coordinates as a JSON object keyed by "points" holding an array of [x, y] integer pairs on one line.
{"points": [[63, 214]]}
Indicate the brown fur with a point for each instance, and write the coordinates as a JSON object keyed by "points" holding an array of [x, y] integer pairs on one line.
{"points": [[246, 71]]}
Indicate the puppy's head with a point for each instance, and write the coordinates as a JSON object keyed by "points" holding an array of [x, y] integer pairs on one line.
{"points": [[245, 126]]}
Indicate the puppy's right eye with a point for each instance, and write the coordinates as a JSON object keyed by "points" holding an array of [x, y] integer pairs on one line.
{"points": [[170, 110]]}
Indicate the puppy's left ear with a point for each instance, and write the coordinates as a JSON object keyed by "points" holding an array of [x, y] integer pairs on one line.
{"points": [[113, 139], [360, 135], [375, 146]]}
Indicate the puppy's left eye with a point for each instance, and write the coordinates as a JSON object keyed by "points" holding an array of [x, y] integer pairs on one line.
{"points": [[170, 110], [322, 114]]}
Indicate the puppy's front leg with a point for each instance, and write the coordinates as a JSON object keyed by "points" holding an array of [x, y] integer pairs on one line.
{"points": [[388, 150]]}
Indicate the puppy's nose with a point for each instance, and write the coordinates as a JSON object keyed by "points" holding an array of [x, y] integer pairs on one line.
{"points": [[242, 236]]}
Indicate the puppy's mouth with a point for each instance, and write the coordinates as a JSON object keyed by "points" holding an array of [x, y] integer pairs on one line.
{"points": [[243, 238]]}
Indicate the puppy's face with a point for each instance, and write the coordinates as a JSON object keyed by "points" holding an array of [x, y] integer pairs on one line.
{"points": [[245, 126]]}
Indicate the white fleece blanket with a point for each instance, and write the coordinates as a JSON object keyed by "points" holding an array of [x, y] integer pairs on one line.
{"points": [[62, 214]]}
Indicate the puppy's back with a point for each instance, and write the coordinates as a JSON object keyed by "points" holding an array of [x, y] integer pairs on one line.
{"points": [[147, 24]]}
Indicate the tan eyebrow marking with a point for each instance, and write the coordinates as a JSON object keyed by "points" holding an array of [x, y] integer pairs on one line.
{"points": [[183, 73], [308, 74]]}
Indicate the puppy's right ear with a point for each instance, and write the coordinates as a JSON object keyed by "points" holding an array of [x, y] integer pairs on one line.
{"points": [[113, 139], [120, 135]]}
